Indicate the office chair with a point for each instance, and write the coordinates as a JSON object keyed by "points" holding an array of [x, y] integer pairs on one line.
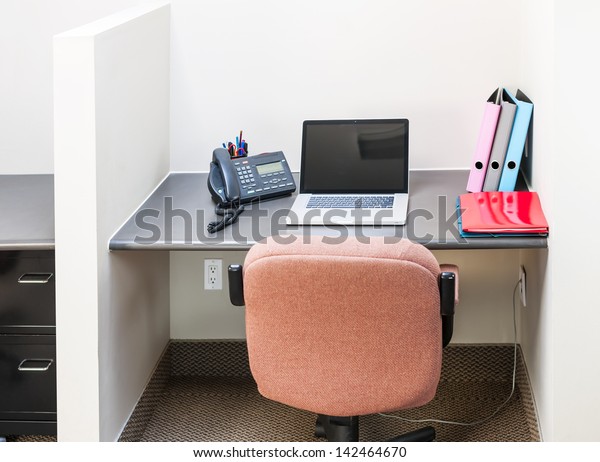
{"points": [[346, 329]]}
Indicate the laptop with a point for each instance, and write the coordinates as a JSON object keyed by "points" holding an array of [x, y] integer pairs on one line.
{"points": [[353, 172]]}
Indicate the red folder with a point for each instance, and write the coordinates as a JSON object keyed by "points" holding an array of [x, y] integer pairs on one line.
{"points": [[502, 212]]}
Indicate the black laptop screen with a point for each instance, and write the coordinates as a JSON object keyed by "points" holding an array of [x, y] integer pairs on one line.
{"points": [[354, 156]]}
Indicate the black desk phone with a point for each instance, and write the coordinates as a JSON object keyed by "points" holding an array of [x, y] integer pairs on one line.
{"points": [[240, 180]]}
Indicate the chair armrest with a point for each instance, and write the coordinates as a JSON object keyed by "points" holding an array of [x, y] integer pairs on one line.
{"points": [[448, 281], [448, 268], [236, 285]]}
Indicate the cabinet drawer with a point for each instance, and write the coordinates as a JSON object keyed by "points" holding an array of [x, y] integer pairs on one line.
{"points": [[27, 292], [28, 377]]}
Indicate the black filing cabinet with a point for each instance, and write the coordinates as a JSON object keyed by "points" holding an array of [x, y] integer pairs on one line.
{"points": [[27, 342]]}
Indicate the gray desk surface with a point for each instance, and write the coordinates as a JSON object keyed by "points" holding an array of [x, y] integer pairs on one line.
{"points": [[175, 216], [26, 212]]}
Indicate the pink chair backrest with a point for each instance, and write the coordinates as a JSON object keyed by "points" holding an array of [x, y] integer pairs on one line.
{"points": [[344, 329]]}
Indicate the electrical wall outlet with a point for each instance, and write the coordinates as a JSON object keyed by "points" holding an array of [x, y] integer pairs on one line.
{"points": [[213, 274], [523, 285]]}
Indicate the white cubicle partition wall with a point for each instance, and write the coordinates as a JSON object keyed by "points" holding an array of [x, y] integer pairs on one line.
{"points": [[111, 115]]}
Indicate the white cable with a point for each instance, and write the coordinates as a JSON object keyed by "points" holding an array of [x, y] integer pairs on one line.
{"points": [[478, 422]]}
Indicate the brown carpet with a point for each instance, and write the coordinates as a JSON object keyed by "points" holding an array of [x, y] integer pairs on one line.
{"points": [[202, 391]]}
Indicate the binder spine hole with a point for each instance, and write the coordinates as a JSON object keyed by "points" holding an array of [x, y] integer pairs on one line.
{"points": [[495, 165], [512, 165], [478, 165]]}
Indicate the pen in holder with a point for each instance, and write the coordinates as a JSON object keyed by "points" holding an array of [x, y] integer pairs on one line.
{"points": [[237, 149]]}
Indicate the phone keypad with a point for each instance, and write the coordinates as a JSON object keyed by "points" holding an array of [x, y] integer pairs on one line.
{"points": [[246, 177]]}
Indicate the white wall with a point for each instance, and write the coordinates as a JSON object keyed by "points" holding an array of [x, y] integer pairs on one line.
{"points": [[203, 314], [26, 31], [414, 59], [561, 321], [432, 61], [538, 78], [264, 66], [111, 83], [484, 315], [576, 318]]}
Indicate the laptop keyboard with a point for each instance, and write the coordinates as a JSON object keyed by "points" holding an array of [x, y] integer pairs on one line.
{"points": [[350, 202]]}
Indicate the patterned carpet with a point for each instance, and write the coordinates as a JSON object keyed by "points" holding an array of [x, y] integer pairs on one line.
{"points": [[203, 391]]}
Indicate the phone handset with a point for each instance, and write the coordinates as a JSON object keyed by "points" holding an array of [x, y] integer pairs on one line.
{"points": [[229, 191], [224, 186]]}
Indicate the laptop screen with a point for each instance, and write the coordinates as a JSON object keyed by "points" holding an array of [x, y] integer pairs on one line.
{"points": [[354, 156]]}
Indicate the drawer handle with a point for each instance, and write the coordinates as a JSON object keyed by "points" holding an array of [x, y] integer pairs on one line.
{"points": [[35, 278], [35, 365]]}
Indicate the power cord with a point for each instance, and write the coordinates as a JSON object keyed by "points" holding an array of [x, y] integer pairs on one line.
{"points": [[514, 377]]}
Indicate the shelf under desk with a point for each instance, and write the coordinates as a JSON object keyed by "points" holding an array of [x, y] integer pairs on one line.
{"points": [[175, 217]]}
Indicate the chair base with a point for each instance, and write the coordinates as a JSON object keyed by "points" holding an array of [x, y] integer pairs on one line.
{"points": [[345, 429], [338, 429]]}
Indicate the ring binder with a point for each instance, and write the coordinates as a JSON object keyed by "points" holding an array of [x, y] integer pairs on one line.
{"points": [[484, 142], [501, 139], [516, 144]]}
